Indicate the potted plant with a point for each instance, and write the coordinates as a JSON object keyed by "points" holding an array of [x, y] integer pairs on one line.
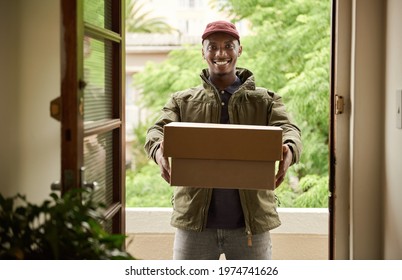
{"points": [[62, 227]]}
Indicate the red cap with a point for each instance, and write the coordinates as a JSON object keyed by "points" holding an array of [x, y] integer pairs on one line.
{"points": [[221, 26]]}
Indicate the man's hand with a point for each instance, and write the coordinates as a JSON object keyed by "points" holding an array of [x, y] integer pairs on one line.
{"points": [[283, 165], [163, 164]]}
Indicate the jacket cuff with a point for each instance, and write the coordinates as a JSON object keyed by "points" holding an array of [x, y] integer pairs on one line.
{"points": [[292, 148]]}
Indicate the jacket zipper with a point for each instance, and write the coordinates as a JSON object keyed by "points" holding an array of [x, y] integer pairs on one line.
{"points": [[249, 239], [243, 201]]}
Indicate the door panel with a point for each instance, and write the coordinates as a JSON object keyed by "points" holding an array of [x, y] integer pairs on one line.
{"points": [[92, 101]]}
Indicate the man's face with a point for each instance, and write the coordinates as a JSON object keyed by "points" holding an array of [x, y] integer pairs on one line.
{"points": [[221, 50]]}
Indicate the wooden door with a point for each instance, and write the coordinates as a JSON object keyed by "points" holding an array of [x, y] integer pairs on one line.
{"points": [[92, 103]]}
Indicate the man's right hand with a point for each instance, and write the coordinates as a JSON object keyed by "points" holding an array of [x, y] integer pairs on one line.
{"points": [[163, 164]]}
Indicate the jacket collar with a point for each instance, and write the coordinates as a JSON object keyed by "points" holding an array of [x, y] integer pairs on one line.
{"points": [[246, 77]]}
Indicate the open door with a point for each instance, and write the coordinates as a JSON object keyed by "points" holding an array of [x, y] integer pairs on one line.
{"points": [[92, 103]]}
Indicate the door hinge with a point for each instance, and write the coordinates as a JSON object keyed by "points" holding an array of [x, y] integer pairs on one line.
{"points": [[339, 104]]}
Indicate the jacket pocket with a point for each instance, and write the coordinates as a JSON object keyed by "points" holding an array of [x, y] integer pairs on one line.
{"points": [[199, 112]]}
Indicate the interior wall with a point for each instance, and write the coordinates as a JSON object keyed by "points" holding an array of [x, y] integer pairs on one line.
{"points": [[9, 115], [393, 135], [367, 129], [32, 158]]}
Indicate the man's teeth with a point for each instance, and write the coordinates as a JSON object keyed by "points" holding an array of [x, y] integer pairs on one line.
{"points": [[221, 62]]}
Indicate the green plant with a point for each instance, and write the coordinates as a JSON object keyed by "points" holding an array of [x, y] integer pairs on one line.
{"points": [[146, 188], [315, 192], [285, 195], [67, 227], [311, 192]]}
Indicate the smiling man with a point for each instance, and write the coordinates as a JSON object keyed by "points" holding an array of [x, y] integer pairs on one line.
{"points": [[221, 48], [233, 222]]}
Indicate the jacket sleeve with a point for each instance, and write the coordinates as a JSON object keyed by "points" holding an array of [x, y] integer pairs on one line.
{"points": [[278, 116], [154, 136]]}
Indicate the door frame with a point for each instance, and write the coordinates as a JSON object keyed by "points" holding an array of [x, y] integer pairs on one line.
{"points": [[339, 171]]}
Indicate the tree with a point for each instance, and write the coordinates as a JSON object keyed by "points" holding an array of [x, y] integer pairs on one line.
{"points": [[140, 21]]}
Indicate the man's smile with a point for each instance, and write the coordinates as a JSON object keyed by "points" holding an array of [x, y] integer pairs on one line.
{"points": [[220, 63]]}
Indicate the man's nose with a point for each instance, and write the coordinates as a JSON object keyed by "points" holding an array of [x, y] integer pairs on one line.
{"points": [[221, 52]]}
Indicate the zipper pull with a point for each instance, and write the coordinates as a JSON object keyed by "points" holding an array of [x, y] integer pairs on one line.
{"points": [[249, 239]]}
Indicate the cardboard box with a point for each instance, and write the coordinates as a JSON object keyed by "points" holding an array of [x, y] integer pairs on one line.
{"points": [[222, 155]]}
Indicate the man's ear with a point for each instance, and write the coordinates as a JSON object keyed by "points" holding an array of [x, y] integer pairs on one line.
{"points": [[240, 50]]}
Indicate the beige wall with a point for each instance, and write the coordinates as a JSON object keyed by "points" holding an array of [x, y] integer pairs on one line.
{"points": [[367, 122], [392, 183], [9, 89], [30, 159]]}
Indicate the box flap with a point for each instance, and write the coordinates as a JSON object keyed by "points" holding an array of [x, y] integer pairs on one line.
{"points": [[222, 141]]}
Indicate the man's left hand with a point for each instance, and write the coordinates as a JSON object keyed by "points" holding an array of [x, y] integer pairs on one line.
{"points": [[283, 165]]}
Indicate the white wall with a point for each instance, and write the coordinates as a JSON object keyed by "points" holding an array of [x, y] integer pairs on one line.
{"points": [[31, 158], [393, 135]]}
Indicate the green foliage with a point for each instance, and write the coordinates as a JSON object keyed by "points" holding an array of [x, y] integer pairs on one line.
{"points": [[315, 192], [311, 192], [68, 227], [139, 155], [157, 82], [146, 188], [285, 195], [290, 53]]}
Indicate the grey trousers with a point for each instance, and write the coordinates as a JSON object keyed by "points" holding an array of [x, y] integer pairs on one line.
{"points": [[210, 244]]}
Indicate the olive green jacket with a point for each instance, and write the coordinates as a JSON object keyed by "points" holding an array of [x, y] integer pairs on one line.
{"points": [[248, 105]]}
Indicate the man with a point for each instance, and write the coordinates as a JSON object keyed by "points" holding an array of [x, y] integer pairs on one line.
{"points": [[211, 222]]}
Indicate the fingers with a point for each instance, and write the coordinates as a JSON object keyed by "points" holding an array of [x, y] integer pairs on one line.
{"points": [[283, 165], [165, 175], [163, 163], [165, 169]]}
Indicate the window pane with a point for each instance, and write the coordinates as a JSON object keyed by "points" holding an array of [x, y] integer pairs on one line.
{"points": [[99, 13], [98, 77], [98, 162]]}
